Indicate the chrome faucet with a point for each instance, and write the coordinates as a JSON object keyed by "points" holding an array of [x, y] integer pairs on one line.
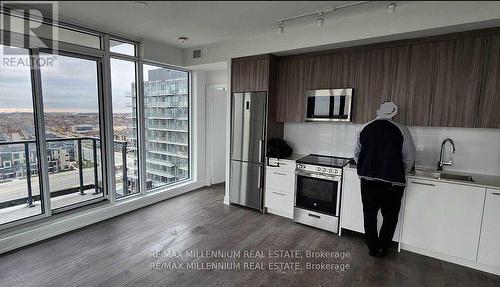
{"points": [[441, 162]]}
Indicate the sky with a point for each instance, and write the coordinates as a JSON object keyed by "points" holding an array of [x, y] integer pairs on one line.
{"points": [[70, 85]]}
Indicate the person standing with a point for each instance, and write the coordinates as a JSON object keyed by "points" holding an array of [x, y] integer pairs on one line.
{"points": [[384, 154]]}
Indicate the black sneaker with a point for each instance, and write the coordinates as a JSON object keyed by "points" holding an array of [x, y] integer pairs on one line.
{"points": [[372, 252]]}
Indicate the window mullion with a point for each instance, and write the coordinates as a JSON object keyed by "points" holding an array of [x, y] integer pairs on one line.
{"points": [[43, 174], [108, 124], [141, 127]]}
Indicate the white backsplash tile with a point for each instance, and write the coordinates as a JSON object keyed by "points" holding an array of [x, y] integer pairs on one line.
{"points": [[477, 150]]}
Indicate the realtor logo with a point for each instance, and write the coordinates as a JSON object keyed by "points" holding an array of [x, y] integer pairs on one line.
{"points": [[28, 24]]}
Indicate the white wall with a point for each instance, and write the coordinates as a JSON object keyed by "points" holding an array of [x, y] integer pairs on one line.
{"points": [[199, 125], [410, 19], [217, 77], [477, 150], [162, 53]]}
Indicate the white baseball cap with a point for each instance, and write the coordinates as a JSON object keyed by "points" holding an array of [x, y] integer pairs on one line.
{"points": [[387, 110]]}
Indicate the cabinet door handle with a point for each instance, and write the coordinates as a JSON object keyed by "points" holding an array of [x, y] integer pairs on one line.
{"points": [[278, 193], [422, 183], [314, 215], [279, 173], [495, 193]]}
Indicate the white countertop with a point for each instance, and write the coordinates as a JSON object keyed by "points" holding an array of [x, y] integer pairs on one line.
{"points": [[481, 180], [292, 157]]}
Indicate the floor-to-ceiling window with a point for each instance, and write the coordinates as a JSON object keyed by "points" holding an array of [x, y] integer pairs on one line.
{"points": [[62, 118], [19, 180], [166, 112], [125, 120]]}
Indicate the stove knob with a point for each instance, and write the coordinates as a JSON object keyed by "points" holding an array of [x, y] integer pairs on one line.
{"points": [[336, 171], [330, 170], [324, 169], [319, 169]]}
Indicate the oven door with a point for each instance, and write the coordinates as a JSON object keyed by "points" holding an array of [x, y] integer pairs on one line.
{"points": [[317, 193]]}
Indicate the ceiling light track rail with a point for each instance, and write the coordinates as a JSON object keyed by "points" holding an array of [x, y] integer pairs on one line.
{"points": [[319, 14]]}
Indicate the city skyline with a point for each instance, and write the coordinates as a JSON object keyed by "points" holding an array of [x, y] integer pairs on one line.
{"points": [[70, 85]]}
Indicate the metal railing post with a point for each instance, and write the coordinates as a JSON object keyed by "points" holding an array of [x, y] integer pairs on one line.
{"points": [[96, 175], [124, 164], [29, 202], [80, 165]]}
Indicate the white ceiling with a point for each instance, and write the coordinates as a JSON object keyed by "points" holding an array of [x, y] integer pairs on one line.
{"points": [[203, 22]]}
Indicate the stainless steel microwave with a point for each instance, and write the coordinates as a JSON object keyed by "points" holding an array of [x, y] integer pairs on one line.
{"points": [[332, 105]]}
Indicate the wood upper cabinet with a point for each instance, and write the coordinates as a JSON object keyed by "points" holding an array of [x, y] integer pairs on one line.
{"points": [[372, 72], [296, 75], [413, 82], [459, 73], [250, 73], [489, 102], [449, 80], [258, 73], [291, 90]]}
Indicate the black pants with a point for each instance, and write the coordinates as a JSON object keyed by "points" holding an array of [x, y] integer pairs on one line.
{"points": [[386, 197]]}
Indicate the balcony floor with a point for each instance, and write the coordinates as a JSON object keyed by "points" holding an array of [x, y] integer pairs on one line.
{"points": [[17, 189], [117, 252]]}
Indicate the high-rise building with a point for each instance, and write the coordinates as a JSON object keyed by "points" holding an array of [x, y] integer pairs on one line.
{"points": [[166, 111]]}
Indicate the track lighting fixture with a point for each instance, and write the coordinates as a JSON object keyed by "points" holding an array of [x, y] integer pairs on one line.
{"points": [[391, 7], [281, 27], [320, 19], [320, 15]]}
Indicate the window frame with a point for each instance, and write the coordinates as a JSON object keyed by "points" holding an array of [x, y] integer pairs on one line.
{"points": [[103, 57], [139, 144], [190, 148], [39, 139], [100, 96]]}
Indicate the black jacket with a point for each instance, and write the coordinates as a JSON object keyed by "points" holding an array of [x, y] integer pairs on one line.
{"points": [[384, 151]]}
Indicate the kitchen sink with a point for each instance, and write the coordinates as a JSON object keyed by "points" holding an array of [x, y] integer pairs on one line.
{"points": [[457, 177], [443, 175]]}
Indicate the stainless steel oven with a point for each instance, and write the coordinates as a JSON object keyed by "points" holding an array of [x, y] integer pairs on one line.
{"points": [[328, 105], [317, 196]]}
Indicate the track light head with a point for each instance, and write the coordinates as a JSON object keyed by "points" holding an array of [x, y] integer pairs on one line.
{"points": [[281, 27], [321, 19], [391, 7]]}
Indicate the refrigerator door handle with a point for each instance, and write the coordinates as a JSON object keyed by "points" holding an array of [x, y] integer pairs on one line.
{"points": [[261, 147], [259, 179]]}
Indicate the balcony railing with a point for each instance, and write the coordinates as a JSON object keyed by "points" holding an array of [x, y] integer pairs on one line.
{"points": [[81, 188]]}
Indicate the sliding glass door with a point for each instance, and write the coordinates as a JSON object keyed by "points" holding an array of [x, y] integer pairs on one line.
{"points": [[20, 196], [71, 102]]}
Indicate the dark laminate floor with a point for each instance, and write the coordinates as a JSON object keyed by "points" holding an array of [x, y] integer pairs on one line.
{"points": [[116, 252]]}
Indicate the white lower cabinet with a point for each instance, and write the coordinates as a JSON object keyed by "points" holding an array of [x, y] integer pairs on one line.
{"points": [[352, 206], [489, 246], [280, 187], [443, 217]]}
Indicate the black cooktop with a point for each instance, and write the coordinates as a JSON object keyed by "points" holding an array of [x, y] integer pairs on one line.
{"points": [[323, 160]]}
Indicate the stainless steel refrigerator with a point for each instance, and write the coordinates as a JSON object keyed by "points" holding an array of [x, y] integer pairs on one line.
{"points": [[248, 132]]}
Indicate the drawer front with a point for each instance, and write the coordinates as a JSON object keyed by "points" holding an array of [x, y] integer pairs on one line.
{"points": [[284, 165], [280, 181], [279, 201]]}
